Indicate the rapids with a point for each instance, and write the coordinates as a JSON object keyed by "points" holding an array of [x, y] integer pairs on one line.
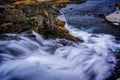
{"points": [[27, 56]]}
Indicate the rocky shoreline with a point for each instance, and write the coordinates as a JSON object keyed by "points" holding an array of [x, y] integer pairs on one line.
{"points": [[17, 16]]}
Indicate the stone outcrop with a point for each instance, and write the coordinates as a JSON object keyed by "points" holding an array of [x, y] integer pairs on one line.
{"points": [[118, 5], [114, 17], [38, 15]]}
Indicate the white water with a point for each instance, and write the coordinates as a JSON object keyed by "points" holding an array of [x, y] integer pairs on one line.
{"points": [[25, 58]]}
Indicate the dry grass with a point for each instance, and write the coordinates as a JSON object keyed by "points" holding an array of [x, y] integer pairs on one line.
{"points": [[60, 1], [53, 2], [25, 2]]}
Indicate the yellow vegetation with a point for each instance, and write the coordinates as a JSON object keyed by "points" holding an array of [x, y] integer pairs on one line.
{"points": [[59, 22], [118, 5], [61, 32], [25, 2], [53, 2], [46, 13], [60, 1]]}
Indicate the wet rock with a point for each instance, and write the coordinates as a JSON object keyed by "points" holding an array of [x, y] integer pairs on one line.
{"points": [[78, 1], [114, 18], [38, 15], [14, 15], [46, 14], [118, 5], [100, 15], [8, 1], [59, 22], [39, 19]]}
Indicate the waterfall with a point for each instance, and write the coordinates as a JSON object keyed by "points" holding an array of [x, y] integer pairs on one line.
{"points": [[27, 56]]}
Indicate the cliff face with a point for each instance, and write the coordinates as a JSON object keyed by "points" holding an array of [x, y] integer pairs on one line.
{"points": [[38, 15]]}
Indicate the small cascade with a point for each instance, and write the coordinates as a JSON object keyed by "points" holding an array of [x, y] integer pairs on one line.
{"points": [[27, 56]]}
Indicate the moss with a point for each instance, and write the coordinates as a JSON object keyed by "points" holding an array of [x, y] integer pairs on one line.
{"points": [[59, 22], [40, 17], [46, 14], [61, 32], [36, 28], [26, 2], [32, 22]]}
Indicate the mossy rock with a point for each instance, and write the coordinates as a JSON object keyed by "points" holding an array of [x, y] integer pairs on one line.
{"points": [[118, 5], [59, 22], [61, 32], [46, 14], [57, 32], [41, 17]]}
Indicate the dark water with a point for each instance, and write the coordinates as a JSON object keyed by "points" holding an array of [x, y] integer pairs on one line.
{"points": [[89, 16]]}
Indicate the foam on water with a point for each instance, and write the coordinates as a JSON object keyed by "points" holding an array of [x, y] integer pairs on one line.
{"points": [[33, 58]]}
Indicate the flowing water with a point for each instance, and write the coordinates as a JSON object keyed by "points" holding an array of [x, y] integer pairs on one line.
{"points": [[27, 56], [88, 16]]}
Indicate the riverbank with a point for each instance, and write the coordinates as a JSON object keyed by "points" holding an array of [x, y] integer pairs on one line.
{"points": [[40, 15]]}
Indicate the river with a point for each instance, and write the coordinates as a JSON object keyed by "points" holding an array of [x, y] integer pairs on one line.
{"points": [[27, 56]]}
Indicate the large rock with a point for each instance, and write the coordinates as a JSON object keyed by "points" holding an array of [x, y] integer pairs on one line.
{"points": [[114, 17], [38, 15]]}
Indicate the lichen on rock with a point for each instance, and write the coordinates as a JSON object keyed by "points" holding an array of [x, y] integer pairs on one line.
{"points": [[38, 15]]}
